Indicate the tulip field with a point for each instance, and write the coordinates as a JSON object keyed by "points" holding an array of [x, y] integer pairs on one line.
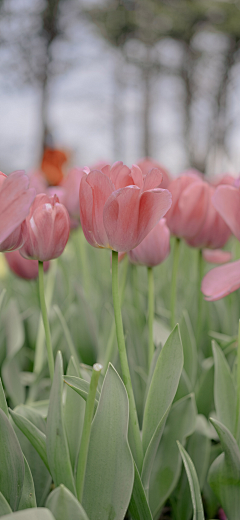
{"points": [[119, 345]]}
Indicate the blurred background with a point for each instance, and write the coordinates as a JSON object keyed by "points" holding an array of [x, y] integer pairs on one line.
{"points": [[119, 80]]}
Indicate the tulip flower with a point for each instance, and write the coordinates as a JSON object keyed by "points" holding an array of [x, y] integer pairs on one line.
{"points": [[46, 229], [154, 248], [147, 164], [70, 198], [15, 202], [52, 163], [217, 256], [27, 269], [119, 206]]}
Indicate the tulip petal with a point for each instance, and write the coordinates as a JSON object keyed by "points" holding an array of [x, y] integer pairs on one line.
{"points": [[153, 205], [120, 175], [221, 281], [120, 217], [92, 204], [15, 202], [152, 180], [137, 175], [226, 200], [217, 256], [194, 202]]}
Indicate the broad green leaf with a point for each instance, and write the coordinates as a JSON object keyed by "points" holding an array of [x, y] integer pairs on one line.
{"points": [[64, 505], [15, 334], [4, 506], [198, 513], [74, 408], [40, 407], [110, 471], [163, 386], [184, 386], [224, 390], [224, 473], [57, 447], [80, 386], [40, 513], [189, 348], [28, 498], [33, 434], [11, 463], [12, 381], [3, 402], [167, 464], [138, 507], [204, 388], [2, 295]]}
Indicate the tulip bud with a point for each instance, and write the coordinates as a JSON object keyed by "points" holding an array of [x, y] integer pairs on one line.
{"points": [[22, 267], [154, 248], [46, 229]]}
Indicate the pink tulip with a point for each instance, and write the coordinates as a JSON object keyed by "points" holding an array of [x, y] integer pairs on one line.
{"points": [[227, 178], [221, 514], [70, 199], [27, 269], [221, 281], [226, 200], [46, 229], [154, 248], [15, 202], [119, 206], [217, 256], [190, 199], [147, 164]]}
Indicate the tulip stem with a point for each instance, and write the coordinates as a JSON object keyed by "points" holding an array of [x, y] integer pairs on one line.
{"points": [[200, 296], [238, 386], [45, 320], [84, 445], [110, 343], [39, 350], [150, 315], [134, 432], [176, 253]]}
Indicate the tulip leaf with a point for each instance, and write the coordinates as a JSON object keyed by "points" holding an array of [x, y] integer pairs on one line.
{"points": [[110, 470], [3, 402], [4, 506], [15, 335], [224, 473], [204, 388], [224, 390], [12, 380], [74, 409], [198, 513], [189, 348], [57, 447], [163, 386], [80, 386], [33, 434], [2, 295], [138, 507], [40, 513], [167, 464], [63, 505], [28, 498]]}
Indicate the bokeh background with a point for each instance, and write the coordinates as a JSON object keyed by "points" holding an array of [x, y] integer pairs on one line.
{"points": [[121, 79]]}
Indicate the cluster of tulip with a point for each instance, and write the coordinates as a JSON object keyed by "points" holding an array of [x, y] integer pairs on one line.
{"points": [[130, 211]]}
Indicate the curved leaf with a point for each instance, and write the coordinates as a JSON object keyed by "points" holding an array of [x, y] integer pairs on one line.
{"points": [[33, 434], [138, 507], [198, 513], [224, 390], [4, 506], [64, 505], [80, 386], [28, 498], [40, 513]]}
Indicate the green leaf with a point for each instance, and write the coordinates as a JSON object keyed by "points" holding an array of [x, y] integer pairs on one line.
{"points": [[28, 498], [12, 380], [80, 386], [64, 505], [110, 471], [71, 347], [189, 348], [4, 506], [204, 388], [224, 390], [198, 513], [224, 473], [164, 385], [3, 402], [2, 295], [74, 409], [167, 464], [15, 334], [33, 434], [184, 386], [57, 447], [138, 507], [40, 513]]}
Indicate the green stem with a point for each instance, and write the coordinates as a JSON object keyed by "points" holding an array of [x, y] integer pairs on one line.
{"points": [[200, 296], [176, 252], [40, 348], [136, 301], [238, 386], [110, 343], [84, 261], [134, 432], [150, 315], [45, 320], [84, 445]]}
